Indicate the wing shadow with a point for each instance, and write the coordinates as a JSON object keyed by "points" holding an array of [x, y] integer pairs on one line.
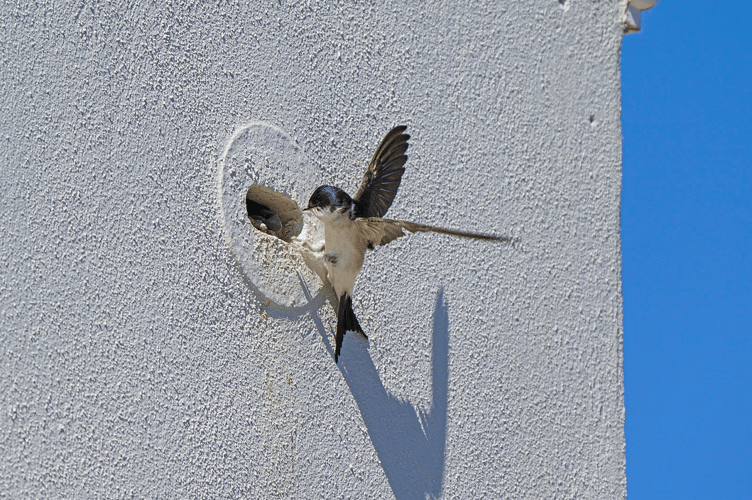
{"points": [[411, 448]]}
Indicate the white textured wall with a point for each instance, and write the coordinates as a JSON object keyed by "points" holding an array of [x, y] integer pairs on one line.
{"points": [[136, 360]]}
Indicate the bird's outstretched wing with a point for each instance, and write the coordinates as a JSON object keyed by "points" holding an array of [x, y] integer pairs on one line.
{"points": [[380, 231], [383, 176]]}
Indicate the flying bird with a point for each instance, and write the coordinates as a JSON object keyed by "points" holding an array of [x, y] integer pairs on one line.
{"points": [[354, 225]]}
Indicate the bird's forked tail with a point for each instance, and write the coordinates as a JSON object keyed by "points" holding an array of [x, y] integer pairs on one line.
{"points": [[346, 322]]}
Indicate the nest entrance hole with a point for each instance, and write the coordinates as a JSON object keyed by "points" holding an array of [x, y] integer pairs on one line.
{"points": [[273, 213]]}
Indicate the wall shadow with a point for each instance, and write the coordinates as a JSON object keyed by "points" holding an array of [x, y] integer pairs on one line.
{"points": [[410, 445], [411, 448]]}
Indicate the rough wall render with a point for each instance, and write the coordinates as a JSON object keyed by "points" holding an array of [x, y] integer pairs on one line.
{"points": [[138, 360]]}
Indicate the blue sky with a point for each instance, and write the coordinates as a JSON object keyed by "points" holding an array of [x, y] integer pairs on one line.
{"points": [[687, 246]]}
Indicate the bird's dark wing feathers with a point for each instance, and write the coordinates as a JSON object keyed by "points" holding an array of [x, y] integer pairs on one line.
{"points": [[383, 176], [380, 231]]}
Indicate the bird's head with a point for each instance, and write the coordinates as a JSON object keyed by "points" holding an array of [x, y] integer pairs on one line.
{"points": [[329, 200]]}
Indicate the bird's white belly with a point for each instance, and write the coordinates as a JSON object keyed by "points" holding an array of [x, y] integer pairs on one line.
{"points": [[344, 257]]}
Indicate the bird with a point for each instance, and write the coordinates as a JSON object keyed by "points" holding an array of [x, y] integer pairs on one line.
{"points": [[355, 224]]}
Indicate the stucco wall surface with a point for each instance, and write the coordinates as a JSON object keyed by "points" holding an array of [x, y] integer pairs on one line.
{"points": [[138, 360]]}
